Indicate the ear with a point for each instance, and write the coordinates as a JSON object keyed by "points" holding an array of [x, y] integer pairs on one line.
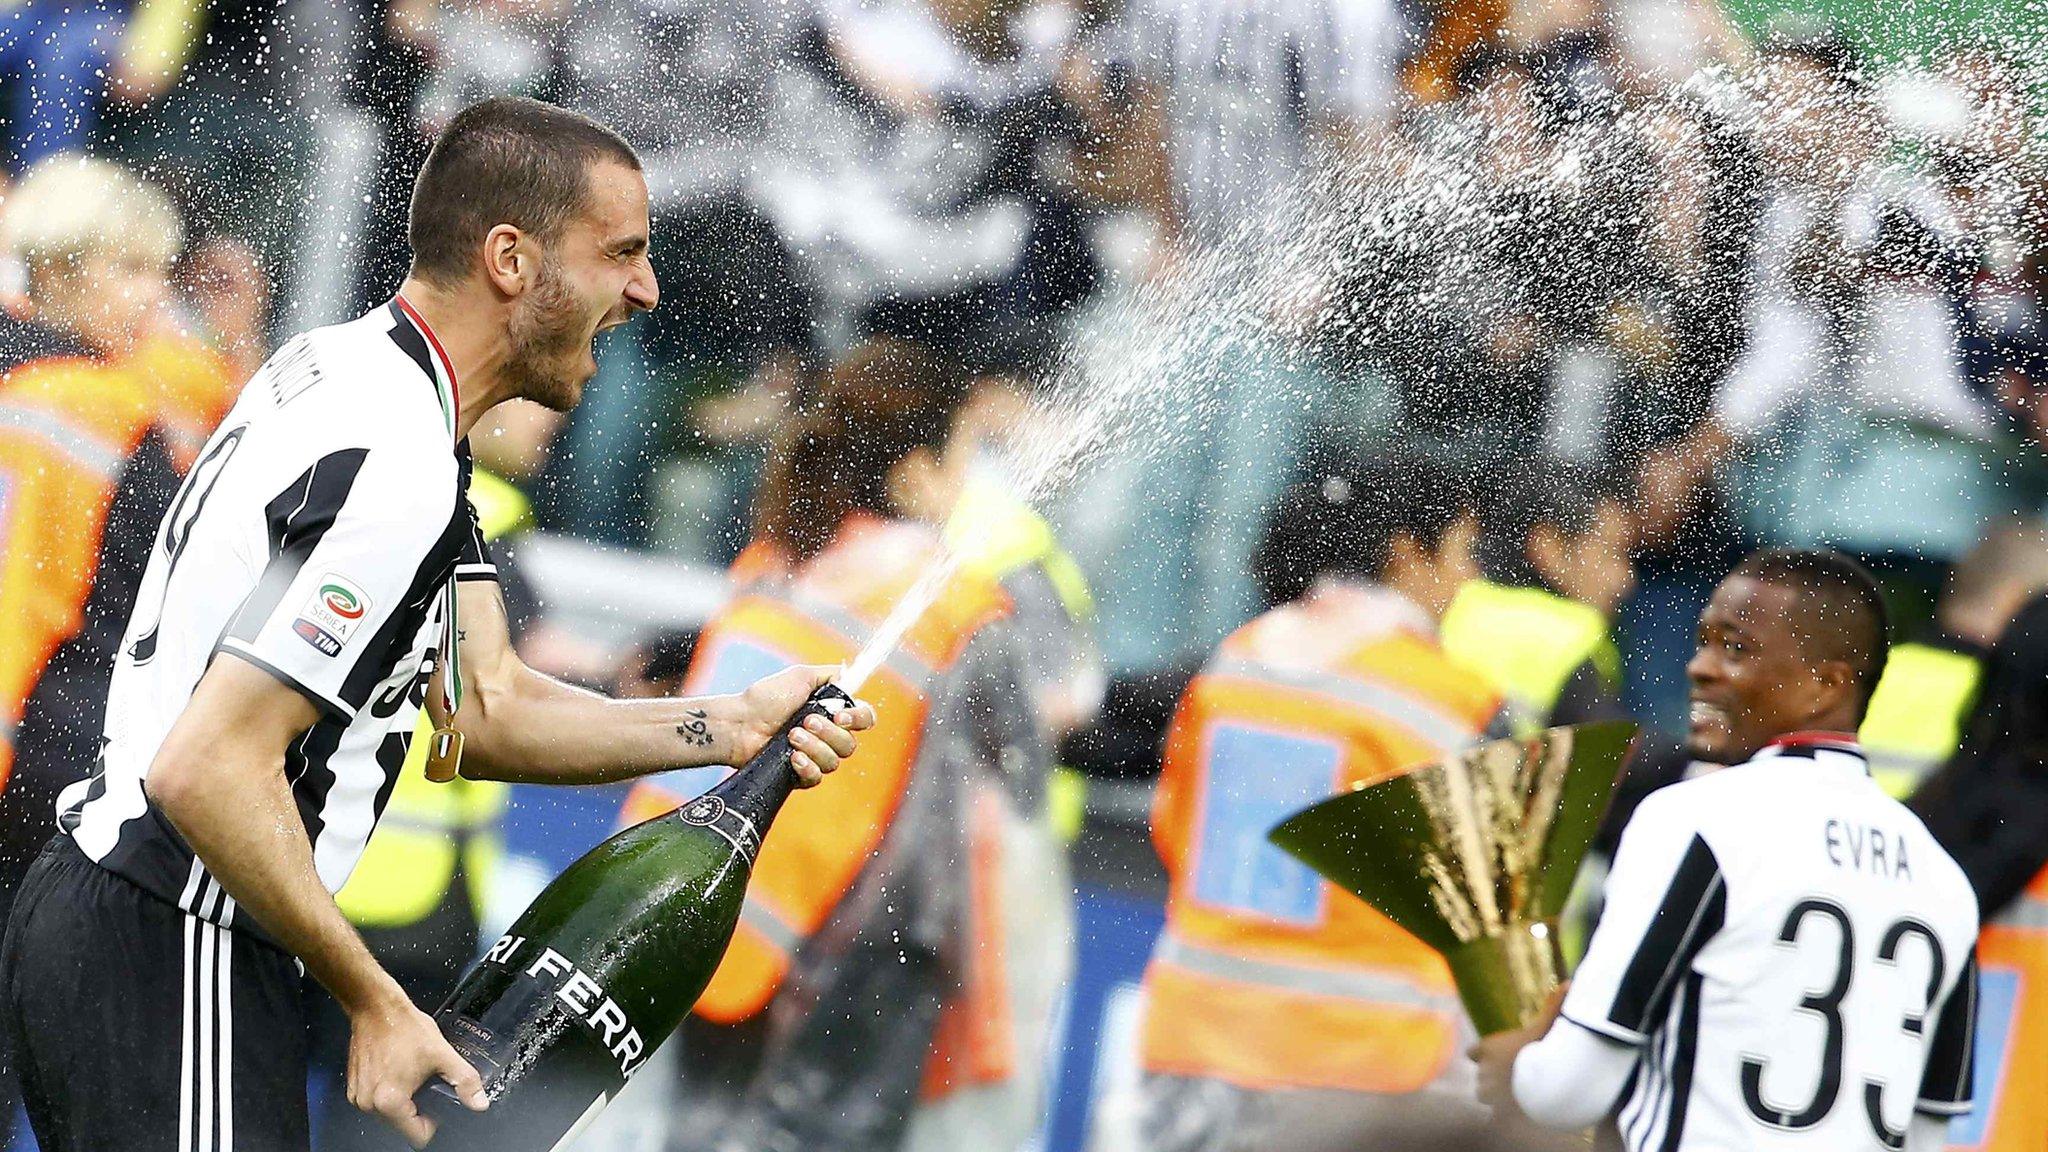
{"points": [[1838, 683], [912, 483], [1404, 553], [1545, 550], [510, 263]]}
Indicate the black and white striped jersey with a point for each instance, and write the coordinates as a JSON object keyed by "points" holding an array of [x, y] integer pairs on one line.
{"points": [[1792, 954], [314, 538]]}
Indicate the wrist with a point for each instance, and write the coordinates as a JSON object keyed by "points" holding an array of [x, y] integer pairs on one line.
{"points": [[712, 729], [371, 995]]}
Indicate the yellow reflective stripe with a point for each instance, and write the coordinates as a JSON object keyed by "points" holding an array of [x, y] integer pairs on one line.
{"points": [[771, 926], [995, 534], [480, 857], [84, 448], [2027, 912], [400, 879], [1899, 776], [1313, 980], [1069, 581], [1440, 729]]}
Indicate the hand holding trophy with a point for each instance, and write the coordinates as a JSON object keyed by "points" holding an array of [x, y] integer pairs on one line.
{"points": [[1475, 856]]}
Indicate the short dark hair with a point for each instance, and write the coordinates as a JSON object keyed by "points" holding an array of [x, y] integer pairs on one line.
{"points": [[884, 399], [1345, 520], [1842, 610], [506, 160], [1568, 497]]}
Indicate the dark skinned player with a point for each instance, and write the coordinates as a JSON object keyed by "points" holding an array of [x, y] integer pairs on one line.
{"points": [[1786, 959]]}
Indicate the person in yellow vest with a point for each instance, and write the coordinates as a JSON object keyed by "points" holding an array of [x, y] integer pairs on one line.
{"points": [[418, 894], [1546, 636], [1281, 1013], [867, 968], [1988, 806], [101, 409], [1562, 536], [1916, 718]]}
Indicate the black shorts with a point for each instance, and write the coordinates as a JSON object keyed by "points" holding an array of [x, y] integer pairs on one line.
{"points": [[140, 1028]]}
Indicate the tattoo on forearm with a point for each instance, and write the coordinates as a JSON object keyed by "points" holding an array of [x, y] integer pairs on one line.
{"points": [[696, 730]]}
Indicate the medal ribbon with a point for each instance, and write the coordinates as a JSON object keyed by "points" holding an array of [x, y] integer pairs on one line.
{"points": [[446, 392]]}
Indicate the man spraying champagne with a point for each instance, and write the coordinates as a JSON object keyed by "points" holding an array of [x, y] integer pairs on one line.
{"points": [[1787, 958], [319, 576]]}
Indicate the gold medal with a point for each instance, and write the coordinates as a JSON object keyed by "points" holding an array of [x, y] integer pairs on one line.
{"points": [[444, 747], [444, 755]]}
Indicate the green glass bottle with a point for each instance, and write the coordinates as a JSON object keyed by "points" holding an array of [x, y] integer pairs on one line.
{"points": [[604, 964]]}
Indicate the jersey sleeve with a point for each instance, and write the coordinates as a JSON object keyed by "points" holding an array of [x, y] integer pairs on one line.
{"points": [[475, 561], [353, 562], [1666, 898], [1945, 1086]]}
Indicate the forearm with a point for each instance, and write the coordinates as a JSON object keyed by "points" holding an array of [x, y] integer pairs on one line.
{"points": [[1571, 1078], [238, 815], [535, 729]]}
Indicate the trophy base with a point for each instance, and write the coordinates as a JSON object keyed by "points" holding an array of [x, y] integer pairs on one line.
{"points": [[1505, 979]]}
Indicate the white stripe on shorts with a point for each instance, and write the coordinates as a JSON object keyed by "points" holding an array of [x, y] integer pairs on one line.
{"points": [[206, 1117]]}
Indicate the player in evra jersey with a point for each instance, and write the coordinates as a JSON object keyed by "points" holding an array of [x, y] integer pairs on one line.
{"points": [[1786, 958]]}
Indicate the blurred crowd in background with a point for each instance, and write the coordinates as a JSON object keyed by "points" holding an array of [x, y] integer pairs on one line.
{"points": [[1674, 281]]}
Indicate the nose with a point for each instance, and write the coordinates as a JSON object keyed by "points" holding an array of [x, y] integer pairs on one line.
{"points": [[1702, 669], [642, 291]]}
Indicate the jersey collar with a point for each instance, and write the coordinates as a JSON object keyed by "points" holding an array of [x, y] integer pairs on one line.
{"points": [[446, 389], [1813, 745]]}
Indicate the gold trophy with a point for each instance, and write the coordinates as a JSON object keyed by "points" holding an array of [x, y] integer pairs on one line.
{"points": [[1475, 856]]}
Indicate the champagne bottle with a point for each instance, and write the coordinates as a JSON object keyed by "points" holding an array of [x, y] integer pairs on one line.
{"points": [[605, 962]]}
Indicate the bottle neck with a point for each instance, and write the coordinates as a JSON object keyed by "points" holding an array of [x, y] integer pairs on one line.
{"points": [[758, 790]]}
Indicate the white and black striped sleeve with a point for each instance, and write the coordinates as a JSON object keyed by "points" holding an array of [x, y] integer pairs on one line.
{"points": [[1945, 1086], [1666, 898], [474, 561], [350, 543]]}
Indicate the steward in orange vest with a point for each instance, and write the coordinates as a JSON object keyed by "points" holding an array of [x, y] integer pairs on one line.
{"points": [[871, 913], [1281, 1012], [90, 454], [1988, 805], [100, 409]]}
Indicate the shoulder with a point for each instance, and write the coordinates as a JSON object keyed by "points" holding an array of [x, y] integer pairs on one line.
{"points": [[1934, 867], [350, 386], [357, 376], [1677, 812], [1424, 669], [192, 380]]}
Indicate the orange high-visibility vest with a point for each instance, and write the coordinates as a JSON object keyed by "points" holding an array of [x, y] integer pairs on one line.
{"points": [[821, 615], [68, 427], [2011, 1113], [1266, 975]]}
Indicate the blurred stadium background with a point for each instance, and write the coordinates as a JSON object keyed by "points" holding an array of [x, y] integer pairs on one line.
{"points": [[988, 178]]}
